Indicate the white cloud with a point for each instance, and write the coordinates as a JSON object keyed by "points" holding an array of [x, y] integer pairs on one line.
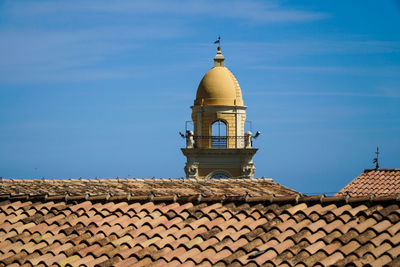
{"points": [[72, 55], [79, 49], [339, 45], [322, 93], [253, 11], [387, 71]]}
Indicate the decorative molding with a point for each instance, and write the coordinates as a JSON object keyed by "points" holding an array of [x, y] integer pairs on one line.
{"points": [[192, 170]]}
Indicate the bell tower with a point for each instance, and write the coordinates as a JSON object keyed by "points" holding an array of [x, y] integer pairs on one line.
{"points": [[218, 146]]}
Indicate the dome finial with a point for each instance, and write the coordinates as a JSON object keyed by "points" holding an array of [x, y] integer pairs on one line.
{"points": [[219, 58]]}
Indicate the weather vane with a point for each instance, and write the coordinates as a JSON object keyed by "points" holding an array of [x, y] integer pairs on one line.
{"points": [[376, 160], [218, 41]]}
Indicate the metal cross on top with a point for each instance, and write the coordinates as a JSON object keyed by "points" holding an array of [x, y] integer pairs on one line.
{"points": [[376, 160]]}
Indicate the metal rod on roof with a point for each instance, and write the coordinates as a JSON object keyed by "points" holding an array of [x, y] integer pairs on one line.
{"points": [[376, 160]]}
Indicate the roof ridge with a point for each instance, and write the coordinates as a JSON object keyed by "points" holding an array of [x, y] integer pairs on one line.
{"points": [[295, 198], [263, 179], [382, 169]]}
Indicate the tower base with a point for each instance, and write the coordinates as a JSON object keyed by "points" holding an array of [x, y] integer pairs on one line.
{"points": [[204, 163]]}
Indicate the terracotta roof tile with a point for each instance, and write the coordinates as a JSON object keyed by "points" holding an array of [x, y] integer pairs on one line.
{"points": [[144, 187], [139, 230], [378, 182]]}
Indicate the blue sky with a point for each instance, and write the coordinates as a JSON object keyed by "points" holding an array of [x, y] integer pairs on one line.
{"points": [[99, 88]]}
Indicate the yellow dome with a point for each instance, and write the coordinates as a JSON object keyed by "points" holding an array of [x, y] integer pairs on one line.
{"points": [[219, 86]]}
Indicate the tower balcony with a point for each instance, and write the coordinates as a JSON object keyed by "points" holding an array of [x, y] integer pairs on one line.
{"points": [[219, 142]]}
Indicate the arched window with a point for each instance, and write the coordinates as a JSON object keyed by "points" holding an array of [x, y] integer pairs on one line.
{"points": [[218, 134], [219, 176]]}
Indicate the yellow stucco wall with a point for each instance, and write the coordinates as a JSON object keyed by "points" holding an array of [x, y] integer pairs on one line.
{"points": [[208, 118]]}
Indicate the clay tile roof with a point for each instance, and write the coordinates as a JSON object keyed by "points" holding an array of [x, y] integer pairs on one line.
{"points": [[225, 229], [374, 181], [144, 187]]}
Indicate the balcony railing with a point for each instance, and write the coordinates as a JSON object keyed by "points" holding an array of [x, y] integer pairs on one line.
{"points": [[220, 141]]}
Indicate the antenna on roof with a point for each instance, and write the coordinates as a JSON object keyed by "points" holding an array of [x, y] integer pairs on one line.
{"points": [[376, 160]]}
